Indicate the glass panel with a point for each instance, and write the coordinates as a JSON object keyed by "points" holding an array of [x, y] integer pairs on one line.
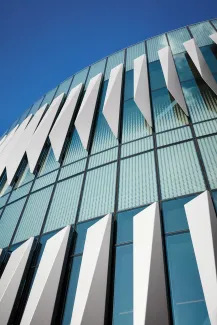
{"points": [[99, 192], [128, 85], [215, 23], [63, 87], [3, 200], [201, 33], [177, 135], [156, 76], [36, 106], [80, 77], [177, 38], [48, 163], [208, 147], [167, 113], [205, 128], [4, 188], [187, 295], [134, 52], [113, 61], [71, 290], [75, 149], [103, 136], [183, 69], [64, 204], [125, 225], [154, 45], [202, 104], [103, 157], [210, 58], [134, 124], [73, 169], [174, 216], [9, 221], [95, 69], [137, 181], [180, 171], [45, 180], [137, 146], [49, 97], [25, 176], [81, 231], [123, 286], [20, 191], [33, 215]]}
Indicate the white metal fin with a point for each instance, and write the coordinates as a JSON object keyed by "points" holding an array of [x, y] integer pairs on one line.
{"points": [[214, 37]]}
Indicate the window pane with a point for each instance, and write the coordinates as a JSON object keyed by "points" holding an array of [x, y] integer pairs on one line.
{"points": [[215, 23], [49, 97], [156, 76], [177, 135], [210, 58], [63, 87], [36, 106], [113, 61], [128, 86], [187, 295], [81, 231], [73, 169], [48, 162], [201, 33], [183, 69], [75, 149], [180, 171], [45, 180], [123, 286], [134, 52], [103, 157], [80, 77], [177, 38], [137, 181], [154, 45], [20, 192], [95, 69], [137, 146], [205, 128], [99, 192]]}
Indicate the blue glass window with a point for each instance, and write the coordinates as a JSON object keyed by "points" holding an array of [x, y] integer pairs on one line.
{"points": [[128, 87], [113, 61], [95, 69], [49, 97], [201, 33], [156, 76], [48, 162], [154, 45], [123, 286], [75, 149], [187, 295], [134, 52], [177, 38], [80, 77], [63, 87], [183, 68], [210, 58]]}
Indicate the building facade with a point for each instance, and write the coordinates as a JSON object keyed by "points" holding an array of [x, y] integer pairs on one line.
{"points": [[108, 191]]}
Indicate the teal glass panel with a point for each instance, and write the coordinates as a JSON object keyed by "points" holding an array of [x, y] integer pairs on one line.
{"points": [[9, 221], [214, 197], [128, 85], [81, 231], [99, 192], [187, 295], [24, 115], [20, 192], [137, 181], [45, 180], [49, 97], [75, 149], [208, 147], [49, 162], [210, 58], [73, 169], [3, 199], [156, 76], [137, 146], [125, 225], [180, 172], [80, 77], [73, 281], [123, 286], [134, 52], [103, 136], [25, 177], [167, 113], [95, 69], [183, 69], [113, 61], [202, 103], [33, 215], [177, 135], [64, 87], [205, 128], [134, 123], [215, 23], [4, 188], [36, 106], [174, 216], [154, 45], [201, 33], [64, 204], [177, 38], [103, 157]]}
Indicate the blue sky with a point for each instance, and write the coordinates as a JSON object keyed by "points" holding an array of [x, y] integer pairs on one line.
{"points": [[45, 41]]}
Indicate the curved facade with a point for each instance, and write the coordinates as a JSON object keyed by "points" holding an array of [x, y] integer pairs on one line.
{"points": [[108, 191]]}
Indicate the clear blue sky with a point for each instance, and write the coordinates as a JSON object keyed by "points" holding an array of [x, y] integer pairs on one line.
{"points": [[43, 42]]}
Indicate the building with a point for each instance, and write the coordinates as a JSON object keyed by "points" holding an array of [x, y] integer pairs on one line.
{"points": [[125, 152]]}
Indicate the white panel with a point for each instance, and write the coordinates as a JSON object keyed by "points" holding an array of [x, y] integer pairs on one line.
{"points": [[7, 153], [21, 145], [40, 136], [9, 137], [61, 126], [149, 287], [2, 140], [171, 77], [89, 304], [40, 305], [200, 63], [111, 108], [203, 229], [85, 115], [214, 37], [11, 279], [141, 88]]}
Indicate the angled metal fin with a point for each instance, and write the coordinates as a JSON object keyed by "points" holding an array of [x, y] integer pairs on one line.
{"points": [[213, 37]]}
